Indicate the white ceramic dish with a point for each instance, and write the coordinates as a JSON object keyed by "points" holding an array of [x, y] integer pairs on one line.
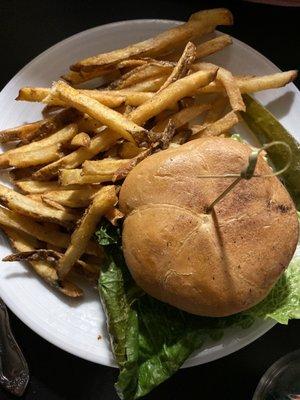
{"points": [[74, 326]]}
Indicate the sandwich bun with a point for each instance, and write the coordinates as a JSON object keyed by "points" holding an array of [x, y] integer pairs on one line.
{"points": [[211, 264]]}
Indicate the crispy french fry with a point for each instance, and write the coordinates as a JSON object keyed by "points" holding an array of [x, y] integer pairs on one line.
{"points": [[99, 143], [82, 139], [38, 187], [107, 116], [26, 206], [216, 111], [22, 243], [102, 167], [182, 117], [148, 85], [38, 94], [114, 215], [104, 200], [110, 98], [218, 127], [64, 135], [54, 124], [75, 78], [35, 157], [212, 46], [75, 177], [199, 24], [89, 125], [174, 92], [10, 219], [230, 85], [128, 150], [255, 84], [139, 74], [20, 132], [183, 65], [72, 198]]}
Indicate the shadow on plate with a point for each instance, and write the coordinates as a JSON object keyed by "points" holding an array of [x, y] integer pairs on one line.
{"points": [[281, 105]]}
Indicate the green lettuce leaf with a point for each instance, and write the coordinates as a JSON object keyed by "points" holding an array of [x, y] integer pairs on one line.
{"points": [[151, 340]]}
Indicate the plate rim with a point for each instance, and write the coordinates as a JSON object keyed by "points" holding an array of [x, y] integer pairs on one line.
{"points": [[59, 341]]}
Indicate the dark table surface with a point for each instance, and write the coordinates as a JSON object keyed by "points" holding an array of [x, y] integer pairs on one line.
{"points": [[29, 27]]}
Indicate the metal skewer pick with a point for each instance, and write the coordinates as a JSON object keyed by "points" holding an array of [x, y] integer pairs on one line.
{"points": [[249, 171]]}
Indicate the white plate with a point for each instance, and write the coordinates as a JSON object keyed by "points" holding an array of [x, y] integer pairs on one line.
{"points": [[73, 325]]}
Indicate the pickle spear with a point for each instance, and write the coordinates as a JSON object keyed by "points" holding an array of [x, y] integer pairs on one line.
{"points": [[267, 128]]}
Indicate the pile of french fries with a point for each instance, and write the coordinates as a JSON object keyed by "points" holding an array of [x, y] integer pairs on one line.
{"points": [[67, 168]]}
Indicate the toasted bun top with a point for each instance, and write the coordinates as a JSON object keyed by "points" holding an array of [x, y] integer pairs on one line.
{"points": [[207, 264]]}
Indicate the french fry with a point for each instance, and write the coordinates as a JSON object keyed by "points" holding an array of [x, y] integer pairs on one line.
{"points": [[230, 85], [183, 65], [212, 46], [38, 187], [199, 24], [254, 84], [110, 98], [89, 125], [75, 177], [182, 117], [128, 150], [38, 94], [104, 200], [22, 243], [170, 95], [139, 74], [20, 132], [102, 167], [216, 111], [72, 198], [112, 119], [82, 139], [10, 157], [114, 215], [26, 206], [218, 127], [35, 157], [18, 222], [76, 78], [54, 124], [148, 85], [99, 143]]}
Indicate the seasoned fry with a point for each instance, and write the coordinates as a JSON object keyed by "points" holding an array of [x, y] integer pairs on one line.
{"points": [[148, 85], [216, 128], [212, 46], [114, 215], [54, 124], [72, 198], [99, 143], [199, 24], [110, 98], [38, 187], [75, 78], [182, 117], [76, 177], [107, 116], [62, 136], [230, 85], [255, 84], [82, 139], [105, 199], [10, 219], [217, 110], [183, 65], [141, 73], [38, 94], [174, 92], [26, 206], [102, 167], [128, 150], [35, 157], [20, 132], [24, 243]]}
